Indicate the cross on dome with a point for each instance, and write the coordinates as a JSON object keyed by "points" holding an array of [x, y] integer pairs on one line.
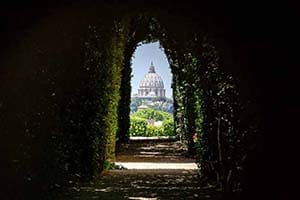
{"points": [[152, 69]]}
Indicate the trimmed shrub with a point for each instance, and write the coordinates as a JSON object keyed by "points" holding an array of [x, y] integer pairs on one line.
{"points": [[154, 131], [138, 126], [168, 128], [152, 114], [139, 123]]}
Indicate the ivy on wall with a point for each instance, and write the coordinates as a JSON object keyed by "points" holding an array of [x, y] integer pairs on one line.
{"points": [[111, 86], [207, 104]]}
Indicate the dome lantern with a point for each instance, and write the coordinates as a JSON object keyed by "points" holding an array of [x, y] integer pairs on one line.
{"points": [[151, 68]]}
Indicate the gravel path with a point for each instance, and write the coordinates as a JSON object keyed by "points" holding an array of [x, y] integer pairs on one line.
{"points": [[144, 182]]}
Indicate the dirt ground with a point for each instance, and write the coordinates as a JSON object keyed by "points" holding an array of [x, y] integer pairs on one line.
{"points": [[151, 184], [160, 151]]}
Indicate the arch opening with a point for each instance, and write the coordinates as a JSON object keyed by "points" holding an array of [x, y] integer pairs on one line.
{"points": [[151, 93], [207, 102]]}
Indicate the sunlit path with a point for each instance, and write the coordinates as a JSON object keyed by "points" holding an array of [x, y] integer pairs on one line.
{"points": [[155, 150], [150, 169], [154, 153], [153, 165]]}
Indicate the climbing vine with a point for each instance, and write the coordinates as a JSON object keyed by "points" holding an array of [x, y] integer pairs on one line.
{"points": [[208, 107]]}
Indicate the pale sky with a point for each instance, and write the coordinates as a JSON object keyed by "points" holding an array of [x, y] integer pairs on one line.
{"points": [[141, 61]]}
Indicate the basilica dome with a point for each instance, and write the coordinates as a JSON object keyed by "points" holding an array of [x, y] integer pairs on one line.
{"points": [[152, 85]]}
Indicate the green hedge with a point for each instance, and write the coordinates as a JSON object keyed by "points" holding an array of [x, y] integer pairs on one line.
{"points": [[139, 127], [168, 128], [155, 131], [153, 114]]}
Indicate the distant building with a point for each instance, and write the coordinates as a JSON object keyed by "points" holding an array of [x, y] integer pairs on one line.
{"points": [[141, 107], [152, 85]]}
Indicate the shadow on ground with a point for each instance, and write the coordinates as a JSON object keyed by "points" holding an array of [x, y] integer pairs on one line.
{"points": [[153, 151], [144, 185], [152, 184]]}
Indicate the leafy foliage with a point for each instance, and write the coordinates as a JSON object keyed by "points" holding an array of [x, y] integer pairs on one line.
{"points": [[135, 103], [163, 104], [138, 126], [139, 123], [168, 127], [149, 113], [155, 131]]}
